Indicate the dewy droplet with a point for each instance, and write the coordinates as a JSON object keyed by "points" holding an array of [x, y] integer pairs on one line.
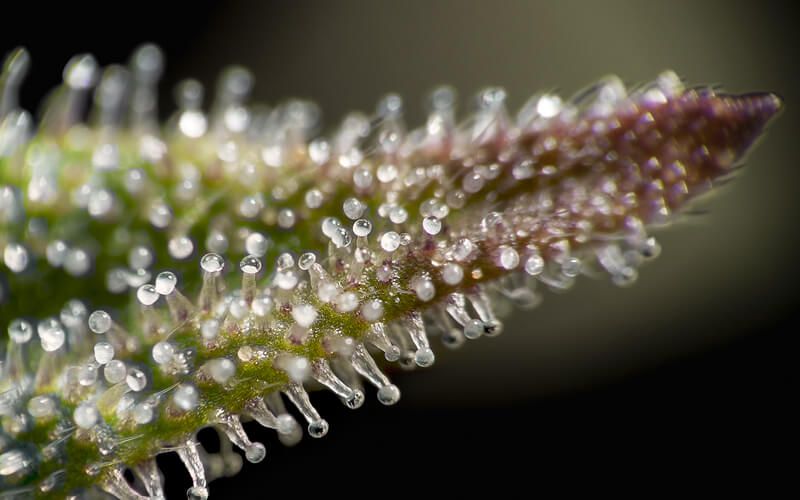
{"points": [[166, 282], [99, 322], [390, 241], [20, 331], [15, 257], [509, 258], [212, 263], [362, 227], [51, 334], [147, 295], [103, 352], [250, 264], [431, 225]]}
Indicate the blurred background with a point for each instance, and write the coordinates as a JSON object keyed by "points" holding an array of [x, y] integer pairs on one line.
{"points": [[690, 369]]}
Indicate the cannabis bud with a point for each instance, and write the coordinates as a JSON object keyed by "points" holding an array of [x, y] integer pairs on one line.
{"points": [[156, 279]]}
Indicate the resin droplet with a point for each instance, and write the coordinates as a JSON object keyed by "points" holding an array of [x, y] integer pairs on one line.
{"points": [[221, 369], [212, 263], [15, 257], [304, 315], [452, 273], [534, 265], [509, 258], [431, 225], [42, 407], [147, 295], [14, 463], [353, 208], [163, 352], [99, 322], [86, 415], [136, 380], [250, 264], [372, 310], [256, 244], [115, 371], [103, 352], [166, 283], [186, 397], [362, 227], [51, 334], [20, 331], [424, 288], [180, 247], [389, 394], [390, 241]]}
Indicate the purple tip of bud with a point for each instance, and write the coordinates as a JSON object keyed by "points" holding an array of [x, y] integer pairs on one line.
{"points": [[709, 132], [757, 112], [738, 121]]}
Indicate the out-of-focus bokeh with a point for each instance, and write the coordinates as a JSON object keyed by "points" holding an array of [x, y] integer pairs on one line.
{"points": [[698, 348]]}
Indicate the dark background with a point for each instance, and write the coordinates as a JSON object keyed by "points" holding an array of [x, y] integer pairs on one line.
{"points": [[691, 374]]}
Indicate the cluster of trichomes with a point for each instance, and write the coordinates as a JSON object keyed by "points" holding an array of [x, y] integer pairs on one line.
{"points": [[305, 256]]}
